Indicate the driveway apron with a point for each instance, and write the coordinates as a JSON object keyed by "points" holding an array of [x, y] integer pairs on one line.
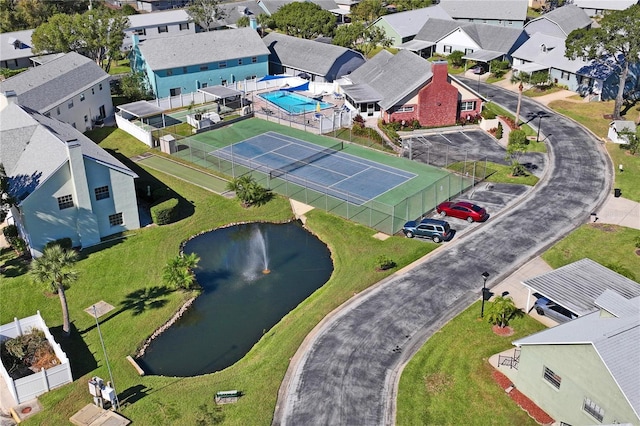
{"points": [[347, 372]]}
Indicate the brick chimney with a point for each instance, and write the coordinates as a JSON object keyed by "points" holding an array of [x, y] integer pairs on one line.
{"points": [[440, 74]]}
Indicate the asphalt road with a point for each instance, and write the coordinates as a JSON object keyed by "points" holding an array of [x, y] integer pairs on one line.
{"points": [[347, 372]]}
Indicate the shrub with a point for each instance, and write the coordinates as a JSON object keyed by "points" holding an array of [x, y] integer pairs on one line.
{"points": [[165, 212], [499, 68], [499, 131], [415, 124], [637, 243], [488, 114], [65, 243], [358, 121], [10, 234], [383, 262], [160, 194], [455, 58]]}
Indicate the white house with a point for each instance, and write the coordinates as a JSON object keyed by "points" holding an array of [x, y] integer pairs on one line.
{"points": [[158, 24], [71, 88], [65, 184]]}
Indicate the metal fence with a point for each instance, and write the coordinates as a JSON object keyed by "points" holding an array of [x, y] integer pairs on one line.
{"points": [[386, 218]]}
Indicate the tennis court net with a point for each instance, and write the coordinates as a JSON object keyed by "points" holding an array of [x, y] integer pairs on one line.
{"points": [[275, 173]]}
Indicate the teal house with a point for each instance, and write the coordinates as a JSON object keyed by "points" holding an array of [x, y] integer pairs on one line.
{"points": [[186, 63]]}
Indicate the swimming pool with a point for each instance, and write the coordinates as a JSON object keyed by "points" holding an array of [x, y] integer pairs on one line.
{"points": [[294, 103]]}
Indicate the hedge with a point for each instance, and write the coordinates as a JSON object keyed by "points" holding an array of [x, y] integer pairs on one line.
{"points": [[165, 212], [65, 243]]}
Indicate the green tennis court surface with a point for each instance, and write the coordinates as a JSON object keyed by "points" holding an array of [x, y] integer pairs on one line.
{"points": [[186, 173]]}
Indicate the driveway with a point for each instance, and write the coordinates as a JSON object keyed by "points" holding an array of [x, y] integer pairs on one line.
{"points": [[347, 370]]}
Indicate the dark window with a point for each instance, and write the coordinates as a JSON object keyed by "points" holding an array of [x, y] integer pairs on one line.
{"points": [[447, 49], [140, 31], [163, 29], [70, 104], [65, 202], [552, 378], [222, 64], [184, 26], [467, 106], [86, 118], [204, 67], [175, 91], [593, 409], [169, 73], [81, 97], [115, 219], [58, 110], [93, 91], [204, 85], [239, 61], [100, 86], [184, 70], [102, 192], [254, 59]]}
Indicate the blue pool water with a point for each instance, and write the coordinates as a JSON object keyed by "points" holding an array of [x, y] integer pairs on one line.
{"points": [[294, 103]]}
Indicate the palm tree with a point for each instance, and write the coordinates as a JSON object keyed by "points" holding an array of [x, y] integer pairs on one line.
{"points": [[503, 310], [178, 272], [520, 77], [55, 267]]}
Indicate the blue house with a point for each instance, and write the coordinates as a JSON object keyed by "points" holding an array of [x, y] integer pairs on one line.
{"points": [[186, 63]]}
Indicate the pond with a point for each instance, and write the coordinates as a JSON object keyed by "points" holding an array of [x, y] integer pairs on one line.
{"points": [[240, 300]]}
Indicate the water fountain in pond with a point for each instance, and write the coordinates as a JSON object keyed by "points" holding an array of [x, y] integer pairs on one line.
{"points": [[257, 257]]}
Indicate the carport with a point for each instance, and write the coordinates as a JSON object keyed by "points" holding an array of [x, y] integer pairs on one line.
{"points": [[485, 56], [577, 285], [141, 110], [419, 46]]}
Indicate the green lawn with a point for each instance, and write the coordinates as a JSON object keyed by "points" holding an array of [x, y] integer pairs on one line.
{"points": [[127, 274], [535, 92], [628, 180], [589, 114], [120, 67], [603, 243], [448, 382]]}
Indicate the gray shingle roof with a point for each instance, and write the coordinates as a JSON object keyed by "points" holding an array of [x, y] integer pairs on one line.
{"points": [[142, 20], [7, 50], [488, 37], [616, 340], [513, 10], [567, 18], [233, 13], [306, 55], [577, 285], [34, 147], [43, 87], [393, 76], [201, 48], [605, 4], [408, 23]]}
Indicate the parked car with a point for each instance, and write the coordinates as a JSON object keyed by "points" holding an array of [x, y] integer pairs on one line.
{"points": [[548, 308], [462, 210], [437, 230], [478, 69]]}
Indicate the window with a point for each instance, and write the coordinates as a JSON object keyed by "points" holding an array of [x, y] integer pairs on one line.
{"points": [[222, 64], [254, 59], [552, 378], [169, 73], [184, 26], [58, 110], [102, 192], [100, 86], [565, 75], [81, 97], [86, 118], [239, 61], [70, 104], [175, 91], [404, 109], [74, 125], [204, 85], [593, 410], [140, 31], [468, 51], [510, 22], [163, 29], [93, 91], [447, 49], [467, 106], [65, 202], [204, 67], [115, 219], [223, 82]]}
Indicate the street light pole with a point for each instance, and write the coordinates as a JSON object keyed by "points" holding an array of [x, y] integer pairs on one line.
{"points": [[485, 276]]}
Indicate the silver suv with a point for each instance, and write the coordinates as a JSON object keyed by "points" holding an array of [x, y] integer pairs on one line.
{"points": [[437, 230]]}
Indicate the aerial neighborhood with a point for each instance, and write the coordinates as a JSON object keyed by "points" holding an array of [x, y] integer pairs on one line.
{"points": [[320, 212]]}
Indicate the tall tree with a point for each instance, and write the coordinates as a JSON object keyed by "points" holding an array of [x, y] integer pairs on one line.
{"points": [[519, 78], [616, 40], [6, 200], [55, 268], [97, 34], [402, 5], [304, 20], [368, 10], [206, 13], [361, 37]]}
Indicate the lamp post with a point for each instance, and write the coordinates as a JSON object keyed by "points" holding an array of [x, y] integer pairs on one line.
{"points": [[485, 276]]}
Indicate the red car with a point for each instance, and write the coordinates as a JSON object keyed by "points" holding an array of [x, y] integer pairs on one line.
{"points": [[462, 210]]}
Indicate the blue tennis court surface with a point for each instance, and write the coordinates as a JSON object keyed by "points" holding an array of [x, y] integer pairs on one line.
{"points": [[329, 171]]}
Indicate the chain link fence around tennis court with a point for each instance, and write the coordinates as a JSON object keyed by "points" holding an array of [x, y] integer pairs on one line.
{"points": [[384, 217]]}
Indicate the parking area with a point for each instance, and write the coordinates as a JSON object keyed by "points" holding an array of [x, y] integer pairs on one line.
{"points": [[472, 144]]}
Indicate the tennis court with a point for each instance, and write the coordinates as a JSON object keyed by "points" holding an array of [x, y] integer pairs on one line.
{"points": [[327, 170]]}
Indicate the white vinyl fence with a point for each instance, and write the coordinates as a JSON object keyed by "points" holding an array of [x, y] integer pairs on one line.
{"points": [[31, 386]]}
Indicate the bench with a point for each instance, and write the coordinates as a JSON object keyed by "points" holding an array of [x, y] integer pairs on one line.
{"points": [[227, 397]]}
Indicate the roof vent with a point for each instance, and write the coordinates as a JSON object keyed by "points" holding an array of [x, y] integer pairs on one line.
{"points": [[543, 47]]}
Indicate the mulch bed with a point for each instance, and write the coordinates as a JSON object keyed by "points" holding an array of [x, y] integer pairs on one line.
{"points": [[502, 331], [535, 412]]}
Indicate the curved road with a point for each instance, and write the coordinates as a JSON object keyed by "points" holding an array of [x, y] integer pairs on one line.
{"points": [[347, 373]]}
